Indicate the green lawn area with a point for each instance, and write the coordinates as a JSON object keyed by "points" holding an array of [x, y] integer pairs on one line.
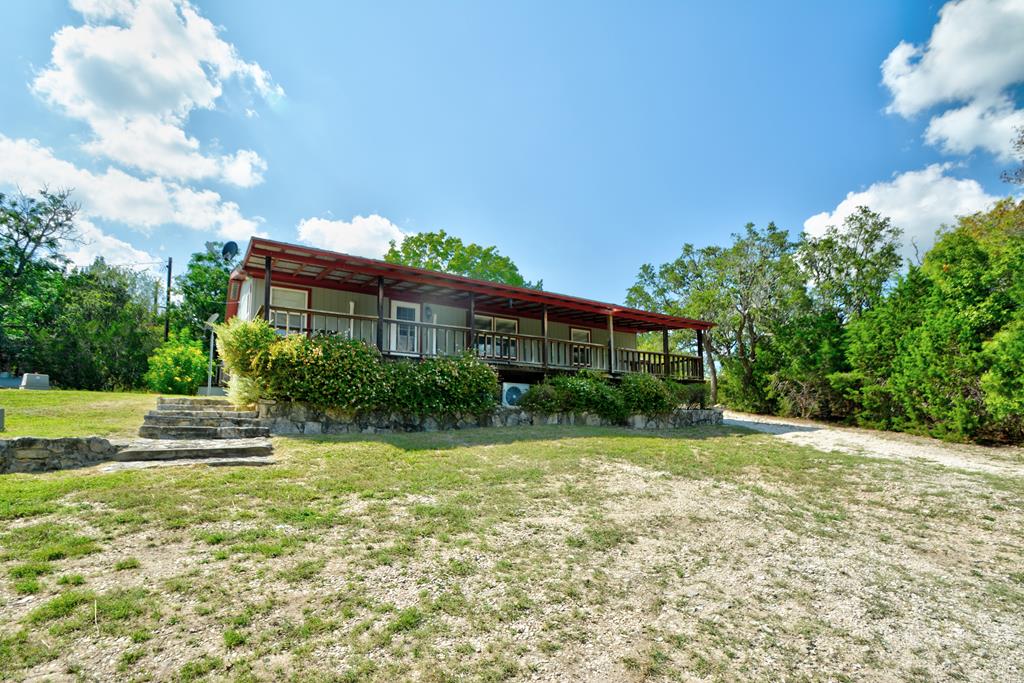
{"points": [[58, 413], [544, 553]]}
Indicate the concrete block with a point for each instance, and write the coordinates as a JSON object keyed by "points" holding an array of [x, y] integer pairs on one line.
{"points": [[32, 380]]}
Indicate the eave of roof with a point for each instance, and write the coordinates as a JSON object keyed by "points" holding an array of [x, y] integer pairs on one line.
{"points": [[329, 260]]}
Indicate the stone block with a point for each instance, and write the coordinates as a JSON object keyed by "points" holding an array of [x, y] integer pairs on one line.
{"points": [[32, 380], [312, 428]]}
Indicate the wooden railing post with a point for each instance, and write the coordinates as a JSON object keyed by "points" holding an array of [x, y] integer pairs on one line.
{"points": [[267, 263], [611, 345], [380, 314], [664, 346], [544, 334], [472, 322], [700, 354]]}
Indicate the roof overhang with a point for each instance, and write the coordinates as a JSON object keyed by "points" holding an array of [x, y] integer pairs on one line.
{"points": [[308, 266]]}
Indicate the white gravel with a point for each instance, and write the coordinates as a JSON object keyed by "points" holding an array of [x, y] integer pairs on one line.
{"points": [[876, 444]]}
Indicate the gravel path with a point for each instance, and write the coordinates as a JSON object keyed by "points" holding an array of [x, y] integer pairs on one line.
{"points": [[1000, 461]]}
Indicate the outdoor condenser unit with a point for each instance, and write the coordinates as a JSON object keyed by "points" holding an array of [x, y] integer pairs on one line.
{"points": [[511, 392]]}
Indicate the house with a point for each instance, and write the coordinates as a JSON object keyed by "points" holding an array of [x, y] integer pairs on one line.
{"points": [[415, 313]]}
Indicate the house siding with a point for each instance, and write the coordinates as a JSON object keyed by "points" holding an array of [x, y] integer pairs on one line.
{"points": [[334, 300]]}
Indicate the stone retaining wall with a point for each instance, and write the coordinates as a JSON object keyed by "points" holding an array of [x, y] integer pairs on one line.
{"points": [[33, 454], [298, 418]]}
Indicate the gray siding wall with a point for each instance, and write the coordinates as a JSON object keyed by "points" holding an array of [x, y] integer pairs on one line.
{"points": [[366, 304]]}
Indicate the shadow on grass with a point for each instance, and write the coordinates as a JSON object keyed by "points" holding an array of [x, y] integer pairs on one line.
{"points": [[487, 436], [768, 427]]}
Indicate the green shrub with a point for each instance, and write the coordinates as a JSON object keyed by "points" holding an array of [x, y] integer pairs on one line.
{"points": [[688, 395], [243, 391], [349, 375], [646, 395], [240, 342], [588, 392], [324, 371], [541, 399], [178, 366]]}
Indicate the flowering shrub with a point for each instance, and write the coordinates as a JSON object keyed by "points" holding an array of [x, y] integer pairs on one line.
{"points": [[349, 375], [587, 392], [178, 366]]}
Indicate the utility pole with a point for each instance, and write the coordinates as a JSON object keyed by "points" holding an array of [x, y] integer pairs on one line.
{"points": [[167, 308]]}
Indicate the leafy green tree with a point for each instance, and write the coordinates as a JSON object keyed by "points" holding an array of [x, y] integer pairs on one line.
{"points": [[102, 330], [33, 232], [178, 366], [203, 288], [849, 267], [449, 254], [750, 289], [1016, 176]]}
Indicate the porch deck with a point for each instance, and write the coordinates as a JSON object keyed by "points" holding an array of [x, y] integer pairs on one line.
{"points": [[415, 339]]}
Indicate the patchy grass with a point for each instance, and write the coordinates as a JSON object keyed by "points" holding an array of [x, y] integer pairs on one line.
{"points": [[538, 553], [58, 413]]}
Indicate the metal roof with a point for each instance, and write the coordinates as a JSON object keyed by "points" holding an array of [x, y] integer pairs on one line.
{"points": [[302, 265]]}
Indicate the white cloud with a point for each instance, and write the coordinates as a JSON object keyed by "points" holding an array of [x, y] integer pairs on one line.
{"points": [[974, 57], [135, 71], [114, 195], [919, 202], [362, 236], [114, 251]]}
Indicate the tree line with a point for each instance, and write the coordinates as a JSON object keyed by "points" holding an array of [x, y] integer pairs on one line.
{"points": [[837, 327], [95, 326]]}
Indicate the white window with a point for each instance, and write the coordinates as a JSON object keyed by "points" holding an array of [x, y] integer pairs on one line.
{"points": [[496, 337], [582, 356], [287, 310], [405, 333]]}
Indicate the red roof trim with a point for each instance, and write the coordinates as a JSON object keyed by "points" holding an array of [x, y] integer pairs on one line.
{"points": [[259, 246]]}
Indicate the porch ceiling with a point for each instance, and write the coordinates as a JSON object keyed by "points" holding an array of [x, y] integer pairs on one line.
{"points": [[307, 266]]}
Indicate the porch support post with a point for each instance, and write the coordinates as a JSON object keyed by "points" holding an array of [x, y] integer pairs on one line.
{"points": [[700, 354], [664, 348], [380, 313], [611, 345], [544, 335], [472, 322], [267, 262]]}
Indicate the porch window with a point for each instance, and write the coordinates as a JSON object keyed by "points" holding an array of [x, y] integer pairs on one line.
{"points": [[582, 356], [496, 337], [287, 308]]}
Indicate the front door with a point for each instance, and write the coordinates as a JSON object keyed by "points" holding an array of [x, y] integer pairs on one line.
{"points": [[404, 332]]}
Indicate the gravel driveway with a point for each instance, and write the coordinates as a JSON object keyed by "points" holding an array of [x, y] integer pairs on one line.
{"points": [[826, 437]]}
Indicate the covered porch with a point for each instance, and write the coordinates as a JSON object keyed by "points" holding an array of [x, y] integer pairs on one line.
{"points": [[414, 313]]}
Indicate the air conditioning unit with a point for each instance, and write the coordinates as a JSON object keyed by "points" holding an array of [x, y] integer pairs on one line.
{"points": [[511, 392]]}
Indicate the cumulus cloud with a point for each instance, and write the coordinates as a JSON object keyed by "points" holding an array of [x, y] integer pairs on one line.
{"points": [[362, 236], [114, 195], [919, 202], [115, 251], [135, 71], [971, 63]]}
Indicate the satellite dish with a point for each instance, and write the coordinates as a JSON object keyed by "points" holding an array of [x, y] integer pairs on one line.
{"points": [[229, 251]]}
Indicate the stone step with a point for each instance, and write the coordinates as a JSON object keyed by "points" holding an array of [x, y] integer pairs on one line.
{"points": [[194, 403], [191, 449], [147, 431], [204, 414], [163, 419]]}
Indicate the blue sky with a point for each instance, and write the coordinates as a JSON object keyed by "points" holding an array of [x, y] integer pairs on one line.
{"points": [[582, 138]]}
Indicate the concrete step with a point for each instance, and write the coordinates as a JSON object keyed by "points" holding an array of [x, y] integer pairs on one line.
{"points": [[147, 431], [163, 419], [203, 414], [192, 449]]}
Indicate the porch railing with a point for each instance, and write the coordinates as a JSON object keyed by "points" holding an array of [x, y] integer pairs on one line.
{"points": [[428, 340]]}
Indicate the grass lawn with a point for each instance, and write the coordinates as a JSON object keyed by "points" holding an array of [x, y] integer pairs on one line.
{"points": [[58, 413], [537, 553]]}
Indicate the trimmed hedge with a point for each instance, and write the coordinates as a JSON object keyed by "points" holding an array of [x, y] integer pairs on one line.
{"points": [[587, 392], [349, 375]]}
